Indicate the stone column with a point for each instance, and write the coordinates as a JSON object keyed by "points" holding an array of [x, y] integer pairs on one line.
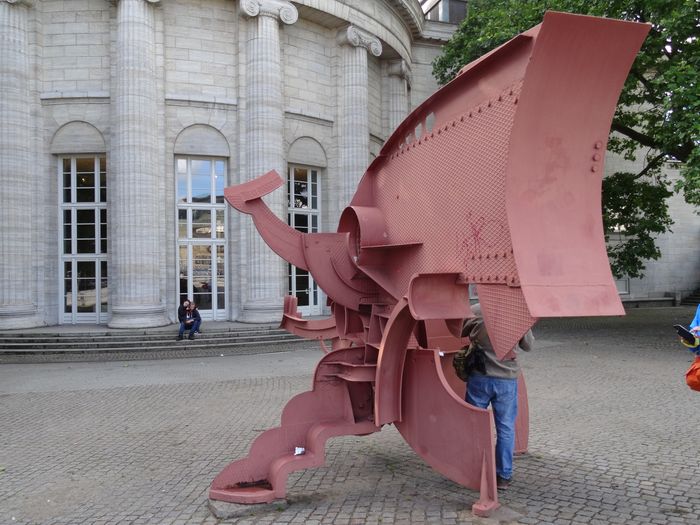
{"points": [[17, 306], [266, 284], [399, 80], [135, 206], [353, 118]]}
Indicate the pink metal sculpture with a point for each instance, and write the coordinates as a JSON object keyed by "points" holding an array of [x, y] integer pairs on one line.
{"points": [[495, 180]]}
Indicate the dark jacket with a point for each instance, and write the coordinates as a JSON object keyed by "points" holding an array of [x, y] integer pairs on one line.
{"points": [[195, 313], [475, 329], [182, 314]]}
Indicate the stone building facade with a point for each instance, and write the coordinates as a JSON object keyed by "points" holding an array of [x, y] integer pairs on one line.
{"points": [[121, 122], [676, 274]]}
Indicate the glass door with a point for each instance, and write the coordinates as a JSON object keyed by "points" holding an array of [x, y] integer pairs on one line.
{"points": [[83, 207], [201, 235], [304, 211]]}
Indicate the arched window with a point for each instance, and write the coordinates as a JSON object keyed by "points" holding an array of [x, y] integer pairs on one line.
{"points": [[201, 167], [306, 161], [82, 176], [304, 190]]}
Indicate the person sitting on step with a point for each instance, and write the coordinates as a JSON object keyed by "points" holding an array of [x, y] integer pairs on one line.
{"points": [[189, 318]]}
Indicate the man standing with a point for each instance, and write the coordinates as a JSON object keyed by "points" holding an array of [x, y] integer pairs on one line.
{"points": [[496, 384]]}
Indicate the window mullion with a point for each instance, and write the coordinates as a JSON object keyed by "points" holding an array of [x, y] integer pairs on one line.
{"points": [[212, 182], [96, 180], [214, 280], [190, 271], [212, 223], [189, 236], [98, 287], [73, 183], [189, 180], [73, 288], [73, 231]]}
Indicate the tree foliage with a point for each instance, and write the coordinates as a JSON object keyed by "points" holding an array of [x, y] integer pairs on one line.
{"points": [[657, 118]]}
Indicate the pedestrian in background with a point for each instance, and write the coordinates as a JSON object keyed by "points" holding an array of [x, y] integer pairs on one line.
{"points": [[496, 384]]}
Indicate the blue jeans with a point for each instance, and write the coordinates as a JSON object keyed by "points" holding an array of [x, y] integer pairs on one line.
{"points": [[192, 327], [503, 396]]}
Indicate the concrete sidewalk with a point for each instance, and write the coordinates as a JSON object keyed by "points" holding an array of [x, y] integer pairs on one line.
{"points": [[614, 438]]}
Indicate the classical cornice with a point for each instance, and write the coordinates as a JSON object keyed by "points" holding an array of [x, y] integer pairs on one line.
{"points": [[285, 11], [354, 36], [439, 32], [411, 13]]}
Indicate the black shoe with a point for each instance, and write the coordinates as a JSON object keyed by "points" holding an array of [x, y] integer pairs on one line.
{"points": [[191, 336], [502, 483], [179, 338]]}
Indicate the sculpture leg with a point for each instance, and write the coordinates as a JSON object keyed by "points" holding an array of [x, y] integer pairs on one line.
{"points": [[452, 436], [522, 422], [339, 404]]}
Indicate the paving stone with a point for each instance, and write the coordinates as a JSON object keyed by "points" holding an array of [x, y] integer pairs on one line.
{"points": [[605, 447]]}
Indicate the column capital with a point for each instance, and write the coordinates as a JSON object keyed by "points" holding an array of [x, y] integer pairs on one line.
{"points": [[399, 68], [285, 11], [354, 36], [116, 2], [28, 3]]}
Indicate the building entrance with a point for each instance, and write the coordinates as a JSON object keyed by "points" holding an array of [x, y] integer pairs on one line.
{"points": [[83, 208], [304, 211], [202, 257]]}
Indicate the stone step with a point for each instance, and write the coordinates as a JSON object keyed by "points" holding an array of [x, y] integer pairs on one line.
{"points": [[172, 345], [130, 337], [65, 342], [163, 339], [137, 333], [691, 300]]}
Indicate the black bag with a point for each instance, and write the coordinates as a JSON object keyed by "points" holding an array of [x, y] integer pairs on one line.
{"points": [[469, 359]]}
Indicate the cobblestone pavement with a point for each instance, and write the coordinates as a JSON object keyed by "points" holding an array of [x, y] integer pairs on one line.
{"points": [[615, 438]]}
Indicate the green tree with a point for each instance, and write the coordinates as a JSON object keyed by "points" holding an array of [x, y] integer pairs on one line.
{"points": [[663, 80]]}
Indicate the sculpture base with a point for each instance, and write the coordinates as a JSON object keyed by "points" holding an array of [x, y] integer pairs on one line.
{"points": [[485, 509], [227, 511], [499, 513], [138, 316]]}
